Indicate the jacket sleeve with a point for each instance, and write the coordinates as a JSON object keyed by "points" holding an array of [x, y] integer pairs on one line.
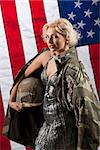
{"points": [[81, 97]]}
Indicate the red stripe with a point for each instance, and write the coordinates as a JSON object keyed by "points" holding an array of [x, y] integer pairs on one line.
{"points": [[95, 60], [16, 53], [38, 19], [28, 148], [13, 36], [4, 142]]}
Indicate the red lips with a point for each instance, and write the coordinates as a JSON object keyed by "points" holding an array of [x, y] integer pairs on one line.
{"points": [[51, 46]]}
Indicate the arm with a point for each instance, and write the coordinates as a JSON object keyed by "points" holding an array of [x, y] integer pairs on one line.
{"points": [[39, 61]]}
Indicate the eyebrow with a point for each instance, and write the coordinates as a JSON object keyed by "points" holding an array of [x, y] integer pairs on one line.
{"points": [[51, 34]]}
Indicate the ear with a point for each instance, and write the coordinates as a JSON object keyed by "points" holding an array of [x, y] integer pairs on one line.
{"points": [[66, 45], [67, 42]]}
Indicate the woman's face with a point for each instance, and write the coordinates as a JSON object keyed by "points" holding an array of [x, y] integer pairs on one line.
{"points": [[54, 40]]}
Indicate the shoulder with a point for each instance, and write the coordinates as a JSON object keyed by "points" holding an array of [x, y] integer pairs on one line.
{"points": [[44, 57], [77, 74], [46, 53], [72, 66], [73, 70]]}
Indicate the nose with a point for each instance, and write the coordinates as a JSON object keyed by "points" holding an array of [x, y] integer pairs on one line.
{"points": [[50, 40]]}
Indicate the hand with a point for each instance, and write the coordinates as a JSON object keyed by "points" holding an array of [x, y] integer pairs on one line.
{"points": [[16, 106]]}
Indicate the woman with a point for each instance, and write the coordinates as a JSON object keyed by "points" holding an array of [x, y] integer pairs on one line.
{"points": [[70, 107]]}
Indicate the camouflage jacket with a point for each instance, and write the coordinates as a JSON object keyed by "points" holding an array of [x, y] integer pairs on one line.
{"points": [[80, 105], [81, 109]]}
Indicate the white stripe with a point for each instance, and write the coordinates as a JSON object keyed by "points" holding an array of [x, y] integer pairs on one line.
{"points": [[26, 29], [51, 10], [6, 78], [16, 146], [84, 56]]}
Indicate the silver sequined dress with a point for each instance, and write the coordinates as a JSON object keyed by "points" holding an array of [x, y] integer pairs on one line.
{"points": [[51, 135]]}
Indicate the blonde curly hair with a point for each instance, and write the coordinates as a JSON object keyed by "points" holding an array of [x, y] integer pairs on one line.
{"points": [[64, 27]]}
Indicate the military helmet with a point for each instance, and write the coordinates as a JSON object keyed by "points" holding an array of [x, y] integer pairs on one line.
{"points": [[30, 92]]}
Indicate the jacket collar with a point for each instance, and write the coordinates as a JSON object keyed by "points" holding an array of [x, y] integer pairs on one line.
{"points": [[69, 54]]}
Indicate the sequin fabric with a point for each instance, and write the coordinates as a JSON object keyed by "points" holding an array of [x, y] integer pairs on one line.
{"points": [[51, 135]]}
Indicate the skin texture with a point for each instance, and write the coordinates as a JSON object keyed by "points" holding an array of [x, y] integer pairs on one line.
{"points": [[57, 44], [55, 41]]}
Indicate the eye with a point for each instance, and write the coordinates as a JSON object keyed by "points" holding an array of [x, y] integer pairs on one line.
{"points": [[56, 36], [46, 37]]}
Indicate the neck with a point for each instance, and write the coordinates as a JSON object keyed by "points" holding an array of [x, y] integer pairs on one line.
{"points": [[60, 52], [55, 53]]}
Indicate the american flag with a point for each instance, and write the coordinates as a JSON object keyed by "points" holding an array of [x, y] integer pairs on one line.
{"points": [[21, 24]]}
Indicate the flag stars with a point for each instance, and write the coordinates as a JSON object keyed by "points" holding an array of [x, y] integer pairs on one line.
{"points": [[90, 33], [71, 16], [88, 13], [97, 22], [78, 4], [95, 2], [81, 24]]}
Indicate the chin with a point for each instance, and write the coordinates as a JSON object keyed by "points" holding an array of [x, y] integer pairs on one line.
{"points": [[52, 50]]}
